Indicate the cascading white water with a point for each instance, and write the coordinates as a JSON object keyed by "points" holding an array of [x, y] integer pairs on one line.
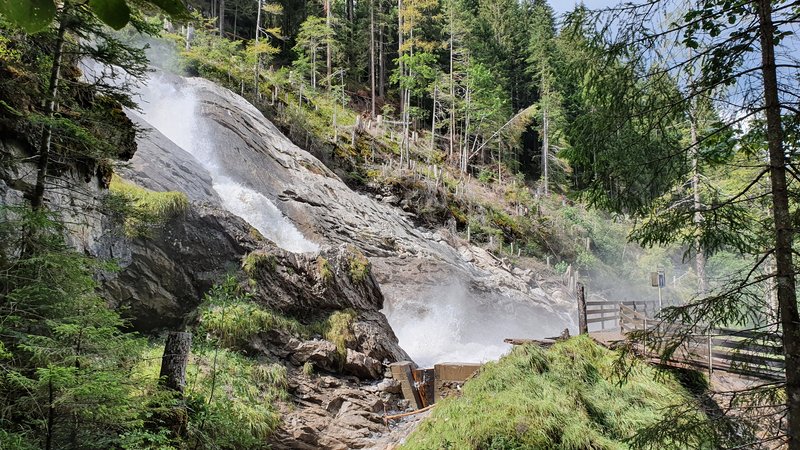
{"points": [[443, 333], [174, 112]]}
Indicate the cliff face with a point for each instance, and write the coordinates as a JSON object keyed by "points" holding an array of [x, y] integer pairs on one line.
{"points": [[415, 268]]}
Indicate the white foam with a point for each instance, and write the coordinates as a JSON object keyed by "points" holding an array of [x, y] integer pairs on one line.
{"points": [[173, 111]]}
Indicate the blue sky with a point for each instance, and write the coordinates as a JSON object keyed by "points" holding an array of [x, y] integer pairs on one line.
{"points": [[561, 6]]}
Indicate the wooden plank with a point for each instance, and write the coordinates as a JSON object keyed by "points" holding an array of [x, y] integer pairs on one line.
{"points": [[599, 319], [540, 342], [597, 303], [403, 372], [607, 316], [750, 360], [749, 334], [744, 345], [602, 309]]}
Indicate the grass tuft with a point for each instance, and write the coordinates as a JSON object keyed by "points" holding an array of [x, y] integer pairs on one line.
{"points": [[564, 398], [259, 259], [142, 208], [359, 265]]}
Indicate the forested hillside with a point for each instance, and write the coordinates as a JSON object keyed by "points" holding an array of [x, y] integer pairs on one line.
{"points": [[493, 151]]}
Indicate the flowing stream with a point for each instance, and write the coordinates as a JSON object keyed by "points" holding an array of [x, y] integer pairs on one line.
{"points": [[175, 112]]}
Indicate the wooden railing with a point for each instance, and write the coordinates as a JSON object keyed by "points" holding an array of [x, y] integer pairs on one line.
{"points": [[747, 352], [607, 314], [752, 353]]}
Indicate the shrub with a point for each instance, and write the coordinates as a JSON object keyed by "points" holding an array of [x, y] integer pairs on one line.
{"points": [[232, 318]]}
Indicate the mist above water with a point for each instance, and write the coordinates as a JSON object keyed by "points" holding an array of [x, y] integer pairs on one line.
{"points": [[452, 324], [173, 109]]}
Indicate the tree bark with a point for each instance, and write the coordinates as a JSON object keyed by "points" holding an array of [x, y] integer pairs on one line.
{"points": [[372, 56], [173, 363], [51, 106], [580, 293], [328, 60], [545, 150], [221, 18], [700, 257], [785, 278]]}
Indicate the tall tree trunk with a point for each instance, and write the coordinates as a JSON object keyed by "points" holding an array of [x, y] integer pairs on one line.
{"points": [[222, 18], [51, 414], [381, 55], [545, 151], [400, 50], [433, 117], [372, 56], [452, 88], [51, 106], [173, 363], [258, 57], [785, 278], [700, 257], [328, 60], [235, 18]]}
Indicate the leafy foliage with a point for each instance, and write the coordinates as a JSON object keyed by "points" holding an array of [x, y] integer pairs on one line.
{"points": [[36, 15], [63, 347]]}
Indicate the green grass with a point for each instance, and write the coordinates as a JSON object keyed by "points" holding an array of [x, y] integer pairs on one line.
{"points": [[359, 265], [235, 322], [325, 270], [339, 330], [231, 398], [565, 398], [259, 259], [144, 209]]}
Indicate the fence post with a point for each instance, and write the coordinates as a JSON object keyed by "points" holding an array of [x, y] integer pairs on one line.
{"points": [[710, 357], [580, 291]]}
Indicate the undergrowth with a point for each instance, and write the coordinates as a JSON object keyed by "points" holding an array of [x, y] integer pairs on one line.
{"points": [[231, 399], [565, 398]]}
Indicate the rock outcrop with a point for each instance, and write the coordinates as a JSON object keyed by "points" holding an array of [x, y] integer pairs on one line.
{"points": [[412, 266]]}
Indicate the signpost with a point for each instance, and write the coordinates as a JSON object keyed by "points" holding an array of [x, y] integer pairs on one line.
{"points": [[658, 279]]}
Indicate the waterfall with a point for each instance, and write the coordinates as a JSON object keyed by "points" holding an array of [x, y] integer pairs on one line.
{"points": [[174, 111]]}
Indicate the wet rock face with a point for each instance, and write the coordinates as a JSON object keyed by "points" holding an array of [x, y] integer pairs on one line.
{"points": [[413, 266], [170, 270]]}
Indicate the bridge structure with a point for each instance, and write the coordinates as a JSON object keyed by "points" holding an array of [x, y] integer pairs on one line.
{"points": [[754, 352]]}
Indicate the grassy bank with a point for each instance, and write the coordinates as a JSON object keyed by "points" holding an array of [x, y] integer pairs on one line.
{"points": [[565, 398]]}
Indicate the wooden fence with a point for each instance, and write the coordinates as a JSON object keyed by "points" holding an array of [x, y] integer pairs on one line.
{"points": [[606, 315], [755, 353]]}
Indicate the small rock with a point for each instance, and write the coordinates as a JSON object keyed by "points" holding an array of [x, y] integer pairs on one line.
{"points": [[389, 385], [321, 354], [362, 366], [329, 382]]}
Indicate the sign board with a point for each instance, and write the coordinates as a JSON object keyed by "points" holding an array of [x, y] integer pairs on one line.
{"points": [[658, 279]]}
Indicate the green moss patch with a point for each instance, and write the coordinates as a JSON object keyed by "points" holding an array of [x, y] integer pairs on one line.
{"points": [[143, 209]]}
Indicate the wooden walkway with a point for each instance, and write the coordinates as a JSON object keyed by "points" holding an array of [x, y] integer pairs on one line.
{"points": [[752, 353]]}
